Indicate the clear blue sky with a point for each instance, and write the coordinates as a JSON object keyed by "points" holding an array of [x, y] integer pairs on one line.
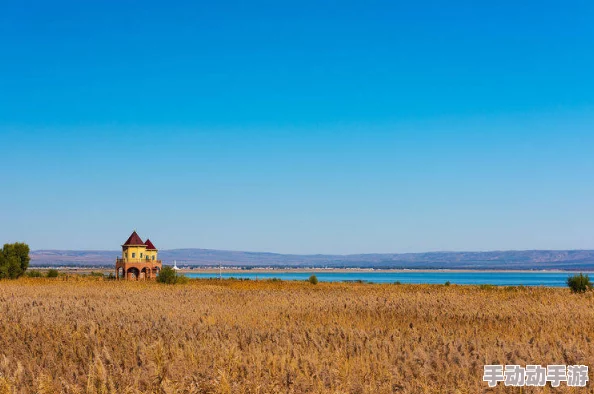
{"points": [[303, 127]]}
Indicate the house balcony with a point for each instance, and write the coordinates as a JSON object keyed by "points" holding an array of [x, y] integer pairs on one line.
{"points": [[137, 261]]}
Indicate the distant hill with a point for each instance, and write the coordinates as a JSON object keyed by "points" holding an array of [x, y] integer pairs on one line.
{"points": [[528, 259]]}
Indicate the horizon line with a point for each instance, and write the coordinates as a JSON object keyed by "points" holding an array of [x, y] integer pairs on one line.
{"points": [[331, 254]]}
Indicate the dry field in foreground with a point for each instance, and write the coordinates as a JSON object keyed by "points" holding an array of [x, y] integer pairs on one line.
{"points": [[93, 336]]}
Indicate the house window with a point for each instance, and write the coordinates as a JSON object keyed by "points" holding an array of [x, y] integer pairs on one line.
{"points": [[133, 255], [153, 257], [141, 255]]}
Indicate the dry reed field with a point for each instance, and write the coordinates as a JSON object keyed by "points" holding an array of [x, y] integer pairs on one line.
{"points": [[91, 336]]}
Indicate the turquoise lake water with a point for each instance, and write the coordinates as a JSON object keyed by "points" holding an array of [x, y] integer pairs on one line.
{"points": [[553, 279]]}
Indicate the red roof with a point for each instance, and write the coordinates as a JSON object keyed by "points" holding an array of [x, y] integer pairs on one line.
{"points": [[134, 239], [149, 245]]}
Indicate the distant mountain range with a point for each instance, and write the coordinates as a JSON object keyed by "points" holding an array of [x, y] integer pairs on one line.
{"points": [[529, 259]]}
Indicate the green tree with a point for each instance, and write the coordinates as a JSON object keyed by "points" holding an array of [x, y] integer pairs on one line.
{"points": [[313, 280], [579, 283], [14, 260], [169, 276], [53, 273]]}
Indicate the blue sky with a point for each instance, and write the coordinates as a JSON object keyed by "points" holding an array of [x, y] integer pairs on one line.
{"points": [[302, 127]]}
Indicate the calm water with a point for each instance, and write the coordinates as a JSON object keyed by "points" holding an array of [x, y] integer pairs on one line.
{"points": [[555, 279]]}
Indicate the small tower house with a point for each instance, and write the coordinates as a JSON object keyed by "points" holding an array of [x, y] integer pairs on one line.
{"points": [[139, 260]]}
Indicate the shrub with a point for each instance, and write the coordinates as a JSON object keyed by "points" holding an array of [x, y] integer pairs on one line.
{"points": [[53, 273], [34, 274], [397, 282], [579, 283], [313, 280], [447, 283], [169, 276], [99, 274]]}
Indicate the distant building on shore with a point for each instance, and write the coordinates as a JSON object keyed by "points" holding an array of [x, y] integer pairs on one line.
{"points": [[139, 260]]}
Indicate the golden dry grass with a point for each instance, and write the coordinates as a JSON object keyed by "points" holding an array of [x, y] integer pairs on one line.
{"points": [[92, 336]]}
